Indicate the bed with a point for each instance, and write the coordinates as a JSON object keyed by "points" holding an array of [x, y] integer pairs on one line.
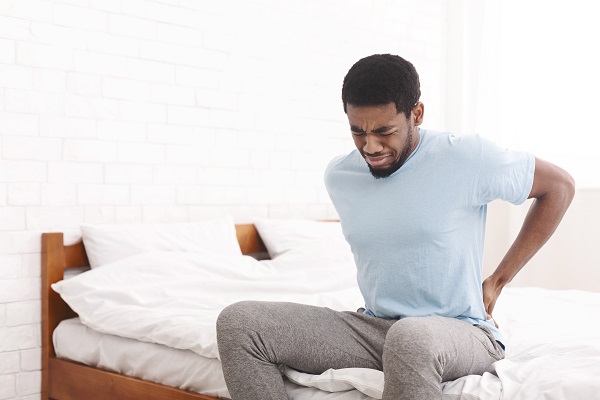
{"points": [[77, 372], [69, 380], [553, 337]]}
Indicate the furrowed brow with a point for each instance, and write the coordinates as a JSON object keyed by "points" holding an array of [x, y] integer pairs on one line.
{"points": [[356, 129], [382, 129]]}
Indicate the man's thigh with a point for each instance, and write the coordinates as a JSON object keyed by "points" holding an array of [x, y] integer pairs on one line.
{"points": [[306, 338]]}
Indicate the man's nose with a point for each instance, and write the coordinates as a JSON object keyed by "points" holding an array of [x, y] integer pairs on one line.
{"points": [[372, 144]]}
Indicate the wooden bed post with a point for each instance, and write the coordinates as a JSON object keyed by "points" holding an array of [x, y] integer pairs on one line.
{"points": [[249, 239], [52, 269], [56, 257]]}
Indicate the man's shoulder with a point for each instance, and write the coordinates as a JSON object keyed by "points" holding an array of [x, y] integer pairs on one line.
{"points": [[454, 147], [451, 141], [344, 162], [344, 169]]}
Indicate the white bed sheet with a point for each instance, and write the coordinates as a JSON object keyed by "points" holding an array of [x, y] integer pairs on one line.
{"points": [[553, 344]]}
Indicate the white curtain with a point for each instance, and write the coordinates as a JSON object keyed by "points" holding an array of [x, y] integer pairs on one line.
{"points": [[531, 79]]}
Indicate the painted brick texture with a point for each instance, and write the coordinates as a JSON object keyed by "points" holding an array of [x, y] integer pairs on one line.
{"points": [[128, 111]]}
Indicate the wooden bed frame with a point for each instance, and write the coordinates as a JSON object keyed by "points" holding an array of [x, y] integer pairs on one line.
{"points": [[68, 380]]}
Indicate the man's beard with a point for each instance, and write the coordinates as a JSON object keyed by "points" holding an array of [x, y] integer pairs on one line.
{"points": [[385, 172]]}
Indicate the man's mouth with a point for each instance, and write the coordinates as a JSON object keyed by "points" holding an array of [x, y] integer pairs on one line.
{"points": [[378, 161]]}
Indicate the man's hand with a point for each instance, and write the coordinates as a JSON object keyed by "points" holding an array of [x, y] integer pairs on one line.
{"points": [[491, 292]]}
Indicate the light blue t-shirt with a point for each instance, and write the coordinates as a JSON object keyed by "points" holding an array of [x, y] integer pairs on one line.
{"points": [[417, 236]]}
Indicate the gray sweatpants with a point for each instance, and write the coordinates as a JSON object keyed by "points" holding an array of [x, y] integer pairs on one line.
{"points": [[416, 354]]}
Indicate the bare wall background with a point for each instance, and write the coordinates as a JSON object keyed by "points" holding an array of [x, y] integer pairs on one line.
{"points": [[123, 111]]}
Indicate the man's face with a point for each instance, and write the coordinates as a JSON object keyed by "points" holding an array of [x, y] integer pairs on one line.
{"points": [[384, 137]]}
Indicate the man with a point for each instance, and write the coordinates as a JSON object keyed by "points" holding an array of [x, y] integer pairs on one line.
{"points": [[412, 204]]}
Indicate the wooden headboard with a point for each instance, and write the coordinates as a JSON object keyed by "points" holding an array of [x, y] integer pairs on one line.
{"points": [[56, 258]]}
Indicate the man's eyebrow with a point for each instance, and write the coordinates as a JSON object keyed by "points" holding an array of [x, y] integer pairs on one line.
{"points": [[381, 129]]}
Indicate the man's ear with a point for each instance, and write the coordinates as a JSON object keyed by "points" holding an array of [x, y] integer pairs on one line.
{"points": [[417, 113]]}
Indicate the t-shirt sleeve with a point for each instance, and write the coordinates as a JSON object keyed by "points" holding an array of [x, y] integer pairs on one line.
{"points": [[504, 174], [329, 171]]}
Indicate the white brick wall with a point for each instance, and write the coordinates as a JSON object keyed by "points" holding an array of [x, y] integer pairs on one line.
{"points": [[162, 111]]}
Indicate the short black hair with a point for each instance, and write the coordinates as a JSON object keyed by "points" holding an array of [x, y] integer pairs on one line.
{"points": [[381, 79]]}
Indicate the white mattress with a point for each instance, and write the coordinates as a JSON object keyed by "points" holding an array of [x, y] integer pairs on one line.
{"points": [[157, 363]]}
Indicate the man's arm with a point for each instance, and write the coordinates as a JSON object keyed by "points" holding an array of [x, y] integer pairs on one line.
{"points": [[553, 189]]}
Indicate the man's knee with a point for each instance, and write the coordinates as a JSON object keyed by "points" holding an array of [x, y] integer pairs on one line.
{"points": [[413, 336], [235, 315], [237, 324], [411, 359]]}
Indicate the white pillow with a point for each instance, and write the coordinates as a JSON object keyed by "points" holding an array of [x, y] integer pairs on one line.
{"points": [[281, 235], [107, 243]]}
